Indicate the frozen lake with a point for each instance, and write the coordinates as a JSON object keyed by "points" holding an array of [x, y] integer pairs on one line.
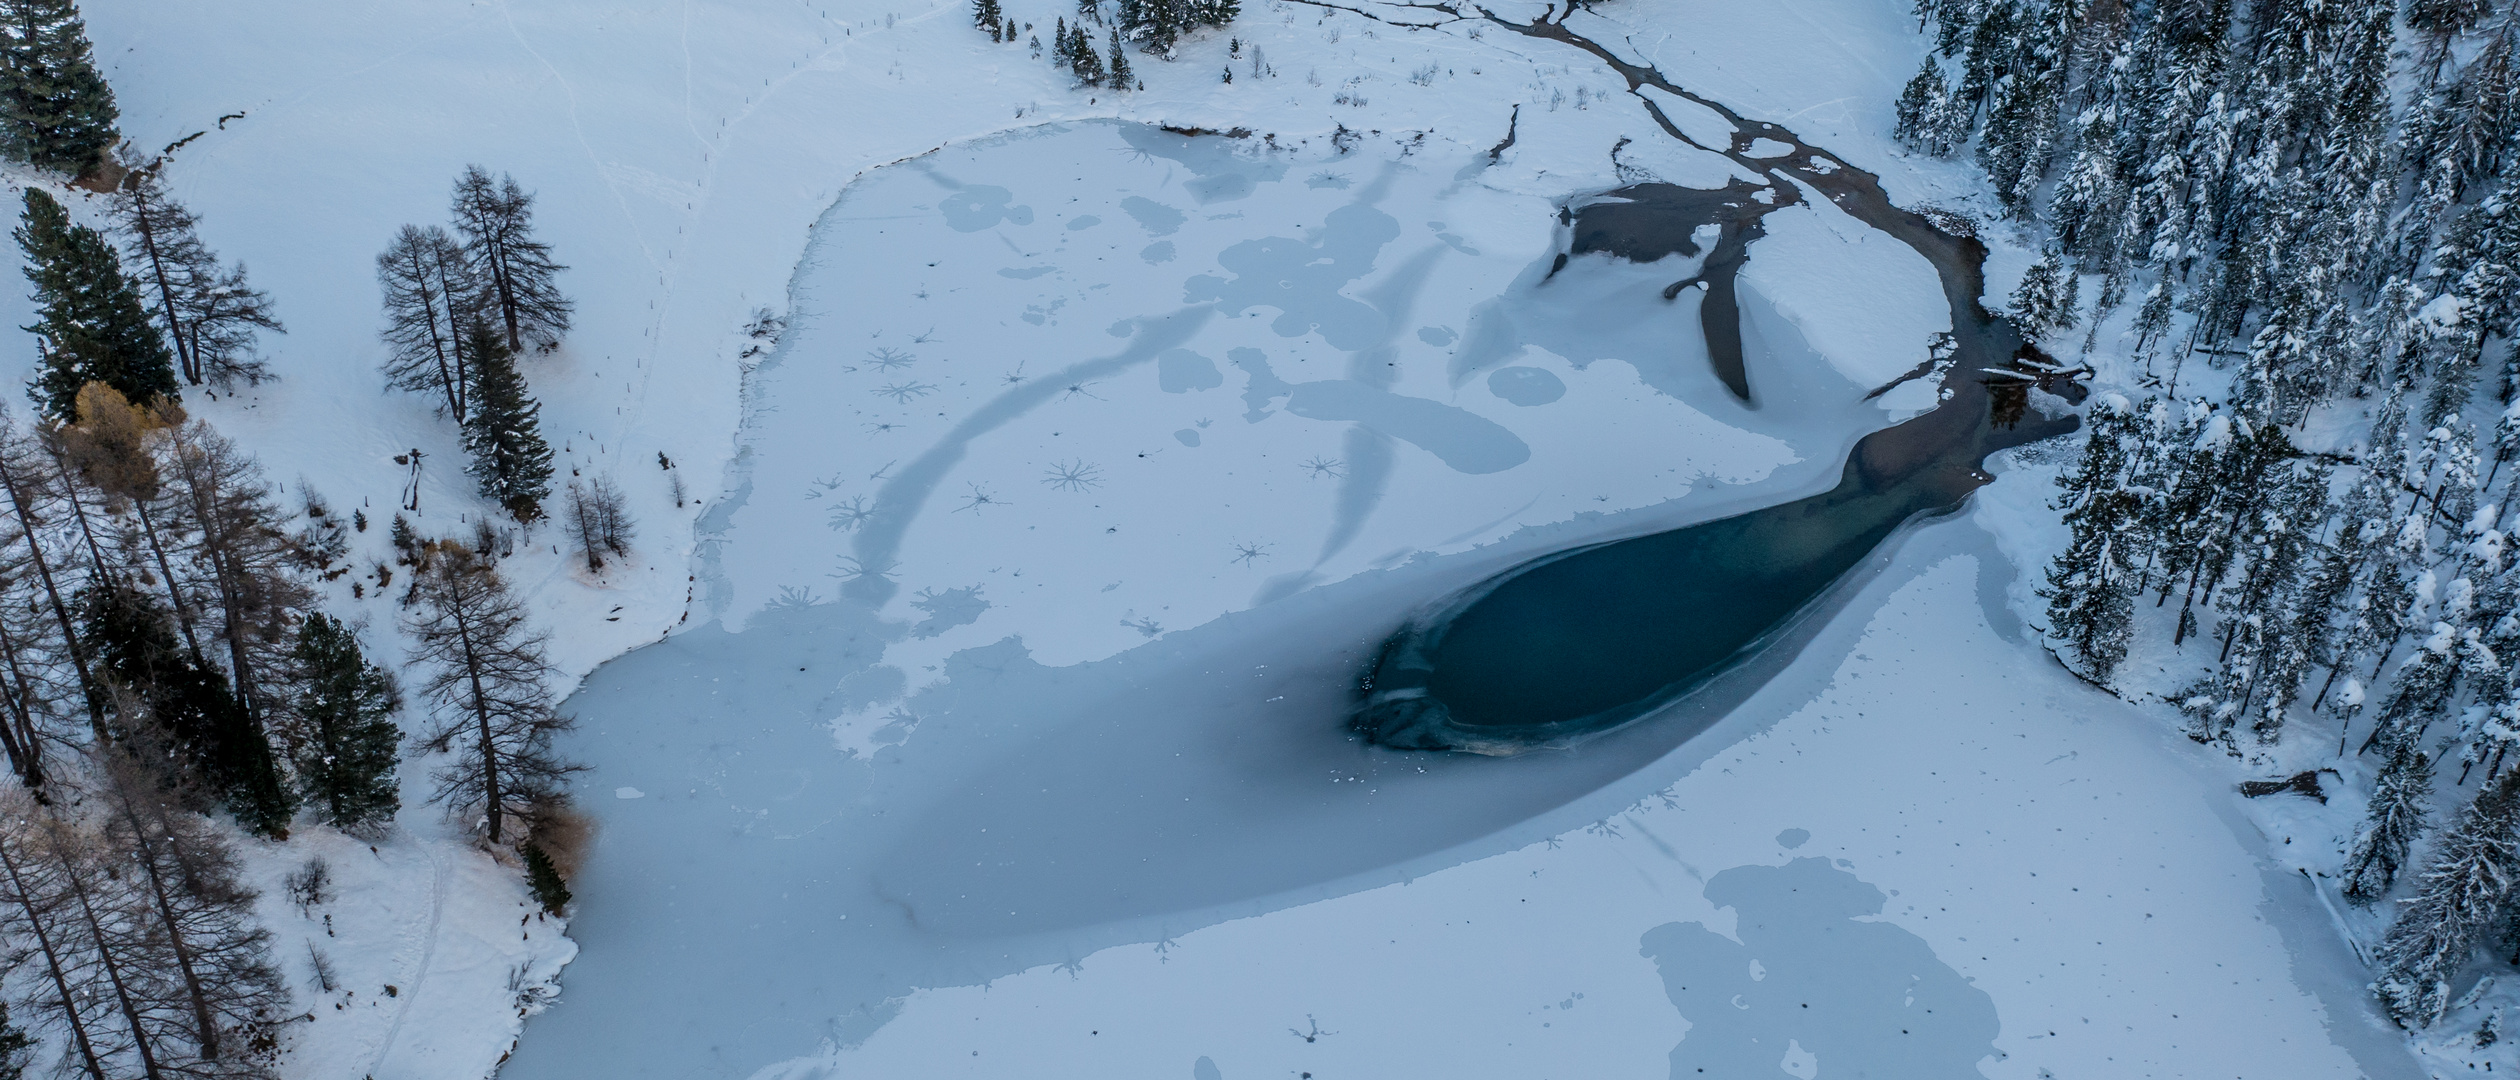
{"points": [[1008, 738]]}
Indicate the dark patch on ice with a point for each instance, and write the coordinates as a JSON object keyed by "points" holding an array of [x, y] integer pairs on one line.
{"points": [[1028, 273], [1302, 278], [1321, 180], [1857, 998], [1526, 385], [1180, 371], [1793, 838], [983, 206], [947, 610], [1083, 222], [1156, 218], [1466, 441], [1187, 436], [1157, 253], [1438, 336], [1205, 1069], [1264, 386], [1122, 328], [1222, 169]]}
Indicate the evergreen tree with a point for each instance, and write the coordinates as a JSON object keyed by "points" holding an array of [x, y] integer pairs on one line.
{"points": [[510, 460], [56, 112], [2048, 297], [2399, 798], [544, 879], [346, 738], [89, 320], [1082, 59], [172, 709], [2021, 118], [2464, 890], [1920, 108], [1120, 76], [2091, 588], [513, 270], [987, 15]]}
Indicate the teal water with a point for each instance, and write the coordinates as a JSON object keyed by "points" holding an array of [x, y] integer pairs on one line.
{"points": [[1578, 642]]}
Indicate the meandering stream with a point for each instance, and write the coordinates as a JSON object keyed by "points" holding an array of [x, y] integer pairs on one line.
{"points": [[1577, 642]]}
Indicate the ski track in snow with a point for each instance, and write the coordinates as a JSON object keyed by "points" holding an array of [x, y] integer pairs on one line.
{"points": [[418, 974]]}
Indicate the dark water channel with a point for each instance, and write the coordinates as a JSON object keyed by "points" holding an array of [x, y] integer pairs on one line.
{"points": [[1581, 641]]}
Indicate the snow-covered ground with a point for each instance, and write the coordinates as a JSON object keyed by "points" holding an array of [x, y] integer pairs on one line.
{"points": [[1124, 569]]}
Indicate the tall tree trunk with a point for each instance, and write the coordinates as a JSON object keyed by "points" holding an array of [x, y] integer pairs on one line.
{"points": [[481, 717], [26, 740], [206, 1030], [113, 970], [174, 595], [10, 480], [184, 351], [53, 966]]}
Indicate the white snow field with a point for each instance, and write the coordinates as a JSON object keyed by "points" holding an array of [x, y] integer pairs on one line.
{"points": [[1011, 602]]}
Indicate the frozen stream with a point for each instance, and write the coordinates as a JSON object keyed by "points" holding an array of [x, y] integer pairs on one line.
{"points": [[1097, 463]]}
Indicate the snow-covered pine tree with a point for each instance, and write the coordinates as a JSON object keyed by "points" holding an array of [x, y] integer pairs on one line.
{"points": [[2092, 584], [430, 300], [1920, 108], [513, 270], [2049, 298], [1119, 76], [987, 15], [510, 461], [484, 677], [2400, 798], [208, 311], [2087, 206], [2324, 608], [89, 320], [345, 736], [2461, 894], [1085, 63], [2021, 118], [56, 112], [2442, 20]]}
